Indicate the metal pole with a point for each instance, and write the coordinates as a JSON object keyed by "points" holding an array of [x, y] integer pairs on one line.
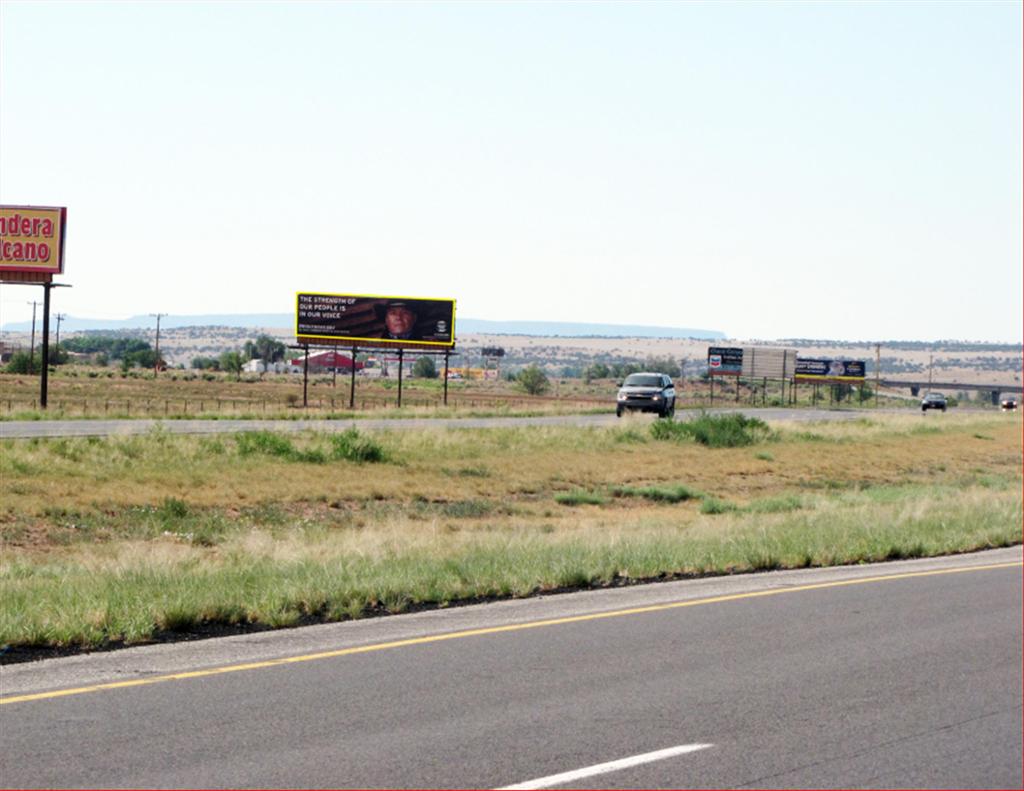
{"points": [[878, 369], [44, 380], [785, 353], [446, 355], [711, 379], [32, 343], [352, 385], [305, 377], [400, 366]]}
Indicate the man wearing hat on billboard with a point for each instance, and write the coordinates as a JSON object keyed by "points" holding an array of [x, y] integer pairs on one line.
{"points": [[399, 320]]}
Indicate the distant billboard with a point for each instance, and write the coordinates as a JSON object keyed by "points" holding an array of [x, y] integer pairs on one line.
{"points": [[827, 369], [32, 239], [751, 362], [375, 320], [725, 361]]}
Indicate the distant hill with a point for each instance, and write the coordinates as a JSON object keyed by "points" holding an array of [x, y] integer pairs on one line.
{"points": [[551, 329]]}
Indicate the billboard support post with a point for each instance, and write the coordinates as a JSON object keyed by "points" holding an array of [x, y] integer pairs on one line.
{"points": [[447, 354], [352, 384], [44, 379], [305, 376], [711, 379], [401, 355]]}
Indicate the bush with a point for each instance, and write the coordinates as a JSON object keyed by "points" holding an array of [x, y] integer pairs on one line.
{"points": [[659, 494], [266, 443], [424, 368], [580, 497], [22, 363], [533, 380], [350, 445], [716, 431]]}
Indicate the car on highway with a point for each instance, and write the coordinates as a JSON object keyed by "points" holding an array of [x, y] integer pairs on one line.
{"points": [[933, 401], [1008, 403], [647, 392]]}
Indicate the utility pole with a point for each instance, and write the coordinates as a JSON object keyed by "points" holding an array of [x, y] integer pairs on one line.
{"points": [[60, 317], [156, 362], [32, 345]]}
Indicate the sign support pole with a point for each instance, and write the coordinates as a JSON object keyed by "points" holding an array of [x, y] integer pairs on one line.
{"points": [[447, 354], [711, 379], [305, 377], [352, 385], [400, 366], [44, 379]]}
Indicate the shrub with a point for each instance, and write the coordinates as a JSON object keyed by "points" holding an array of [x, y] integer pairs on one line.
{"points": [[424, 368], [716, 431], [533, 380], [662, 494], [350, 445], [712, 505], [580, 497], [266, 443]]}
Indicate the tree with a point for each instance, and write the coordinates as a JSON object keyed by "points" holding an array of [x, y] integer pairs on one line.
{"points": [[425, 368], [233, 363], [596, 371], [264, 348], [534, 380], [22, 363]]}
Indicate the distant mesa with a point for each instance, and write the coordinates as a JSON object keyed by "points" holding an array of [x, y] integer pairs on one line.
{"points": [[464, 326]]}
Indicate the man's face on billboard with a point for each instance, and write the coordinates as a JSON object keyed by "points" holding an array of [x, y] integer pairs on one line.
{"points": [[399, 320]]}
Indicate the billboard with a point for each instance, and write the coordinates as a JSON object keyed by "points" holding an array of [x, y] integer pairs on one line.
{"points": [[829, 370], [32, 239], [374, 320], [725, 361]]}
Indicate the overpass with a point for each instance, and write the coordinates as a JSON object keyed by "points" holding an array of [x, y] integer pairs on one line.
{"points": [[916, 385]]}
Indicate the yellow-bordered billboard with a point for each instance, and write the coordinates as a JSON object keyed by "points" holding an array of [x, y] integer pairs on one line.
{"points": [[32, 239], [373, 319]]}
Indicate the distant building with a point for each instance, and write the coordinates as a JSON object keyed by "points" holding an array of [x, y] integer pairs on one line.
{"points": [[258, 367], [327, 361]]}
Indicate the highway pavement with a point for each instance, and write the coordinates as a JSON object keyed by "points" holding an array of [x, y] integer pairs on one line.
{"points": [[905, 674]]}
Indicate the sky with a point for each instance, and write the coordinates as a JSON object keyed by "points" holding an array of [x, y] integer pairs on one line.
{"points": [[771, 170]]}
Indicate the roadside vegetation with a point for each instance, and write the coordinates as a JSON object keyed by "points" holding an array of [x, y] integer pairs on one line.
{"points": [[121, 540], [112, 392]]}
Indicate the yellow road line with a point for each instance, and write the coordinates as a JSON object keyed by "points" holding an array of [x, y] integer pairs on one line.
{"points": [[363, 649]]}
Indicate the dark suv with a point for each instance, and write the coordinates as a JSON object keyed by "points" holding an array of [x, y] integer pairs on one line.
{"points": [[647, 392], [933, 401]]}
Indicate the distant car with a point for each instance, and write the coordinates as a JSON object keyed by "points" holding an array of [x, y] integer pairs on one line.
{"points": [[933, 401], [647, 392], [1008, 403]]}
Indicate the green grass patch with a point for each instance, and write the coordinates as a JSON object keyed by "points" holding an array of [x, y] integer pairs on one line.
{"points": [[580, 497], [659, 494], [733, 430], [714, 505], [131, 596]]}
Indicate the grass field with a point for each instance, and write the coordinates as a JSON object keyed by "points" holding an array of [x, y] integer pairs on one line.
{"points": [[131, 539]]}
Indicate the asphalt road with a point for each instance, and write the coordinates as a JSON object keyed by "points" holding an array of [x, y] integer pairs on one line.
{"points": [[27, 429], [900, 675]]}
